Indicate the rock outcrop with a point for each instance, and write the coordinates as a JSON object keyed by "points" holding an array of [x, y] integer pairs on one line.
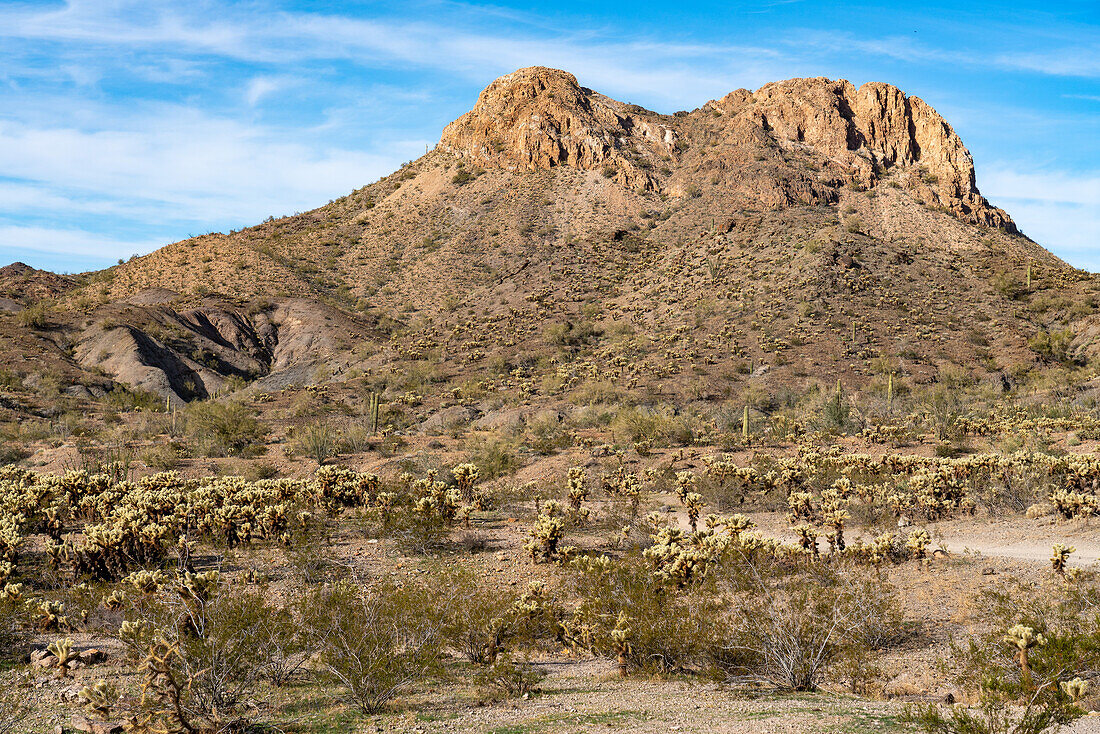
{"points": [[873, 130], [540, 118]]}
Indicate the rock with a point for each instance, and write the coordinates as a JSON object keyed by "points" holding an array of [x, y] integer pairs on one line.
{"points": [[873, 129], [442, 420], [92, 655], [43, 659], [72, 693], [82, 723], [542, 118], [509, 420]]}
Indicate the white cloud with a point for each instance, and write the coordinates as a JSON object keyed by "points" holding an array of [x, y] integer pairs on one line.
{"points": [[667, 73], [67, 241], [1059, 210], [260, 87], [195, 166]]}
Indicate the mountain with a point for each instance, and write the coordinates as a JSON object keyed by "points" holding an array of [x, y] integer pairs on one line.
{"points": [[557, 242]]}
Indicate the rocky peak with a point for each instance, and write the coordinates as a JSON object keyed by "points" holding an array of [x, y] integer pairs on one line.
{"points": [[873, 130], [540, 118]]}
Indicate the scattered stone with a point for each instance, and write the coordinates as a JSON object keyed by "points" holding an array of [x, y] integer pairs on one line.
{"points": [[82, 723]]}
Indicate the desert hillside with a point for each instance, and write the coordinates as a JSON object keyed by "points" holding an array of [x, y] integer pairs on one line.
{"points": [[798, 232]]}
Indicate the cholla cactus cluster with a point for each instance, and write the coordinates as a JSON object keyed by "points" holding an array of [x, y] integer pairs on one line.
{"points": [[622, 483], [1059, 556], [544, 543], [680, 557], [62, 650], [917, 542], [466, 476], [578, 493], [99, 698]]}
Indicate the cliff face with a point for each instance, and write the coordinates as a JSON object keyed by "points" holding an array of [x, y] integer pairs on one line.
{"points": [[873, 130], [540, 118]]}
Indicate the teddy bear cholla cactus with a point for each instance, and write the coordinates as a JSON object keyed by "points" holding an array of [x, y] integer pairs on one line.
{"points": [[115, 601], [917, 542], [685, 483], [62, 651], [578, 493], [435, 500], [546, 534], [51, 615], [99, 698], [466, 476], [1059, 557], [1024, 638], [620, 640], [1076, 689]]}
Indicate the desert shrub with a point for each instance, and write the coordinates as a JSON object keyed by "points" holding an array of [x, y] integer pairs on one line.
{"points": [[374, 643], [493, 457], [205, 648], [483, 622], [1052, 345], [224, 429], [509, 677], [661, 427], [546, 434], [34, 316], [788, 630], [163, 457], [318, 441], [1008, 285], [126, 399], [629, 614], [1027, 671]]}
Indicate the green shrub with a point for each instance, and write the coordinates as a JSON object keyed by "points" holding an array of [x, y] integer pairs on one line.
{"points": [[1026, 670], [318, 441], [374, 643], [209, 648], [628, 614], [1052, 346], [224, 429], [34, 316]]}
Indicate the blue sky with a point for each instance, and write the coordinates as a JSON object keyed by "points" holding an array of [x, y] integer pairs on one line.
{"points": [[127, 124]]}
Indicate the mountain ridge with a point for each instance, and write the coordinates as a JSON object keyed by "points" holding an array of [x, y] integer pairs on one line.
{"points": [[556, 239]]}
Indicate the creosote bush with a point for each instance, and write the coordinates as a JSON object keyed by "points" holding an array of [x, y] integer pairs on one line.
{"points": [[374, 643], [224, 429]]}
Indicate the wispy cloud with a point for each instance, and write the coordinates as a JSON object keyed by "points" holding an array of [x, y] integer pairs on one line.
{"points": [[674, 73], [1059, 209]]}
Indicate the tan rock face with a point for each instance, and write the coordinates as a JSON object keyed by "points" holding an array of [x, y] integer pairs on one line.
{"points": [[538, 118], [873, 130]]}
